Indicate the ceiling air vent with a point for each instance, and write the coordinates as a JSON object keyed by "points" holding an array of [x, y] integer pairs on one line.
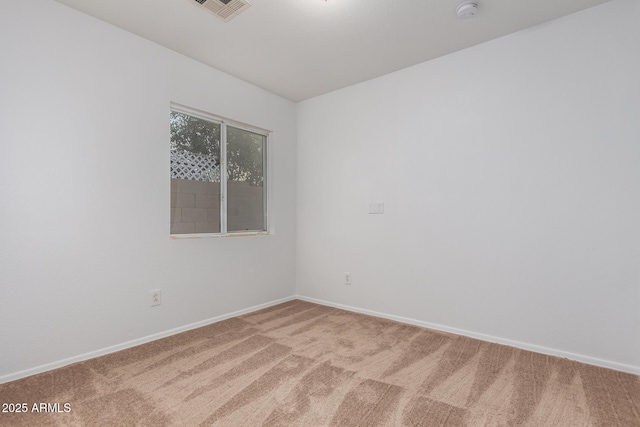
{"points": [[225, 9]]}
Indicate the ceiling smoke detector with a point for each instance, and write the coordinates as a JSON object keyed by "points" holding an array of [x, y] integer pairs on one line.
{"points": [[225, 9], [467, 10]]}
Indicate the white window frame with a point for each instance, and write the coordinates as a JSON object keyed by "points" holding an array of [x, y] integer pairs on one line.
{"points": [[223, 122]]}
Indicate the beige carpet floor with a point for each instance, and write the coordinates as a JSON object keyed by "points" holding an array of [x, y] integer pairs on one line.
{"points": [[302, 364]]}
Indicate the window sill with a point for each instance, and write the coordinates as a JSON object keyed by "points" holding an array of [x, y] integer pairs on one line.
{"points": [[216, 235]]}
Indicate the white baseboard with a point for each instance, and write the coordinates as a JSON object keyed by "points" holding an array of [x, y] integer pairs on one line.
{"points": [[112, 349], [524, 346], [136, 342]]}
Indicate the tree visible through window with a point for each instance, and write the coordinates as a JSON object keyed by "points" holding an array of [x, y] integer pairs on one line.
{"points": [[217, 176]]}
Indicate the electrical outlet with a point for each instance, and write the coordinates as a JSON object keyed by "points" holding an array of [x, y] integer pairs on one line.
{"points": [[156, 298], [347, 278]]}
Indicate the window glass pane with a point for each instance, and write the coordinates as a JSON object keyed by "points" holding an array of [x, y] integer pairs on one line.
{"points": [[195, 175], [245, 180]]}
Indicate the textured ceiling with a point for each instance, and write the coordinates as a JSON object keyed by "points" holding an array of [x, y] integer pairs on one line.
{"points": [[299, 49]]}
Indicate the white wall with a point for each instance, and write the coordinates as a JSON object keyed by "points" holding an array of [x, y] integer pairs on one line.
{"points": [[510, 174], [84, 191]]}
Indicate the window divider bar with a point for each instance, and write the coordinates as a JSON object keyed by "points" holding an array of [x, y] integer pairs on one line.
{"points": [[223, 178]]}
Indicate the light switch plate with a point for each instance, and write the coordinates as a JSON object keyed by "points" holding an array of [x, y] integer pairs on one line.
{"points": [[376, 208]]}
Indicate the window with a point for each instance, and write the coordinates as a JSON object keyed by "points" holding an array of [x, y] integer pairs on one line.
{"points": [[218, 175]]}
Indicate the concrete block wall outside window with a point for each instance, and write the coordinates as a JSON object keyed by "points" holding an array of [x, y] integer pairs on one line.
{"points": [[195, 206]]}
